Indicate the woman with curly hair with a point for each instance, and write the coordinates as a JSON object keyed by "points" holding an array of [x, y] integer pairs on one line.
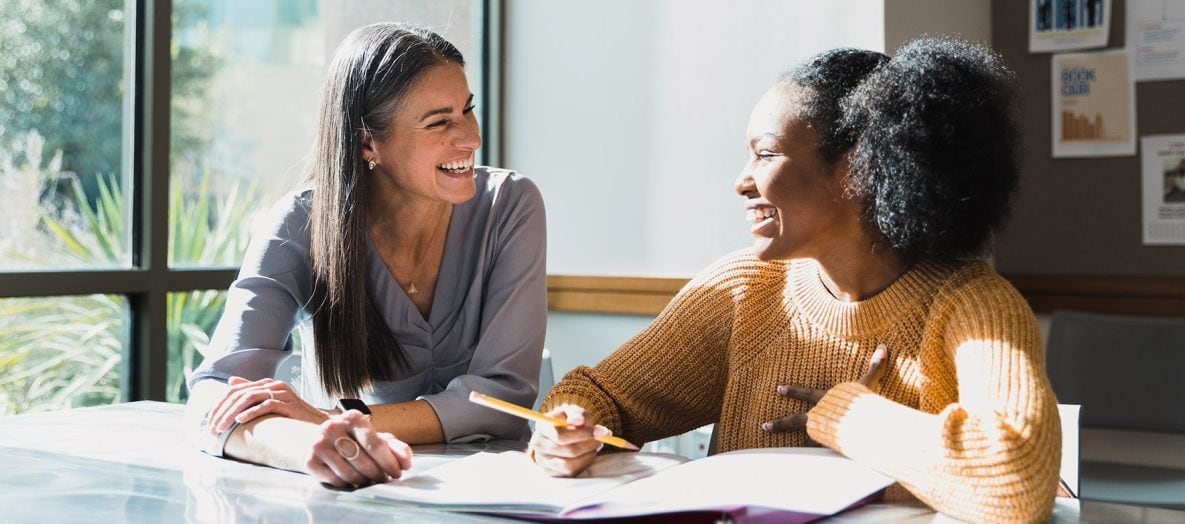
{"points": [[873, 188]]}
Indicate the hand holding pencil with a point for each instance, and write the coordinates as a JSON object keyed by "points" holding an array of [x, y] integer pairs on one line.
{"points": [[529, 414], [562, 445]]}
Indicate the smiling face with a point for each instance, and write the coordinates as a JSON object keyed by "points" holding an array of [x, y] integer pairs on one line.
{"points": [[430, 151], [794, 200]]}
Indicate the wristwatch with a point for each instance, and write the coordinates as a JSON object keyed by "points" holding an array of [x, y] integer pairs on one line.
{"points": [[347, 404]]}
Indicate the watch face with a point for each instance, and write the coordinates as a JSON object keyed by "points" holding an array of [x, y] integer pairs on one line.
{"points": [[355, 404]]}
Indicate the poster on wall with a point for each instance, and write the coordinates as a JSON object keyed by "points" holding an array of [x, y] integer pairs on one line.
{"points": [[1094, 105], [1163, 162], [1156, 39], [1063, 25]]}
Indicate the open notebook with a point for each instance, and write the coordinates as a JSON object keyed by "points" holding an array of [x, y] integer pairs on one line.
{"points": [[775, 484]]}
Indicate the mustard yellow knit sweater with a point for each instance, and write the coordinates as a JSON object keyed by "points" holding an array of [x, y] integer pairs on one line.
{"points": [[965, 419]]}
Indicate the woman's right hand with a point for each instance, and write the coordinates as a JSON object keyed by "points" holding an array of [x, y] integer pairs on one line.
{"points": [[246, 400], [566, 451], [350, 453]]}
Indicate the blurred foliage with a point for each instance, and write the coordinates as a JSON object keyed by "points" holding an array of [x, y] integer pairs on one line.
{"points": [[60, 352], [63, 80], [102, 237], [23, 199], [62, 75], [207, 233]]}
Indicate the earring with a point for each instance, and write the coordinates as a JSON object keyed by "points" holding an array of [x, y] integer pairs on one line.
{"points": [[372, 164]]}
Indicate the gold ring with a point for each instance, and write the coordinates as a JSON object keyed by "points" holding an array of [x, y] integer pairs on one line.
{"points": [[531, 455], [351, 456]]}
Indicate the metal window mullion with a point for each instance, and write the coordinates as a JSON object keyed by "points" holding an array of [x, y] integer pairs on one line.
{"points": [[146, 367], [37, 284], [65, 283], [491, 80]]}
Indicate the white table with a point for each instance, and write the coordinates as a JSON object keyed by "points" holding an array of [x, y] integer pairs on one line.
{"points": [[132, 463]]}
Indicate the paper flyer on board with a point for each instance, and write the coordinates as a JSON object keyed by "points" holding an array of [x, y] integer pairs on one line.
{"points": [[1163, 162], [1062, 25], [1156, 39], [1094, 105]]}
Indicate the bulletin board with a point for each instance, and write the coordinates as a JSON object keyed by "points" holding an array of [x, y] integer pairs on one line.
{"points": [[1076, 228]]}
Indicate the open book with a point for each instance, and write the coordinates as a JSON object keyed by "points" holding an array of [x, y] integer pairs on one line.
{"points": [[774, 484]]}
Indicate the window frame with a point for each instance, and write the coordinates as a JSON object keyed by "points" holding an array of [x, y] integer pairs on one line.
{"points": [[149, 280]]}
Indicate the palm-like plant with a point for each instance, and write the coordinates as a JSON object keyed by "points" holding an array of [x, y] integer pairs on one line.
{"points": [[58, 352], [101, 239], [205, 236]]}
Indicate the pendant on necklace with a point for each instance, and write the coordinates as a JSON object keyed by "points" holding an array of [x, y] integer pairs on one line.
{"points": [[411, 290]]}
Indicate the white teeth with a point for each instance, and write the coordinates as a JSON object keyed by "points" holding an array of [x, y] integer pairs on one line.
{"points": [[457, 165], [757, 215]]}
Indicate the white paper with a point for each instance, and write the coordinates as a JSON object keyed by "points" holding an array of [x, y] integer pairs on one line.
{"points": [[1094, 105], [1163, 161], [822, 482], [1069, 414], [1063, 25], [509, 481], [1156, 38]]}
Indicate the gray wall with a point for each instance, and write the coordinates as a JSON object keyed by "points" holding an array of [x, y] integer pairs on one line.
{"points": [[908, 19]]}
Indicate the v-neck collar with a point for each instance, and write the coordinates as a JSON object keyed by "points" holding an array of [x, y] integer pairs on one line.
{"points": [[393, 301]]}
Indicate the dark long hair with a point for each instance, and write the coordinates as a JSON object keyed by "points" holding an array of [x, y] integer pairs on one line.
{"points": [[370, 74]]}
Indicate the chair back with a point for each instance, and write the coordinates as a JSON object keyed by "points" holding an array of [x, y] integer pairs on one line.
{"points": [[1124, 371], [546, 378]]}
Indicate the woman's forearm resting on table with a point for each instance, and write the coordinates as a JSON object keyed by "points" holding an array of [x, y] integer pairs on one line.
{"points": [[412, 422]]}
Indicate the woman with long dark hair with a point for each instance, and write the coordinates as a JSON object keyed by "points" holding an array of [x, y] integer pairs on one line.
{"points": [[412, 275], [863, 318]]}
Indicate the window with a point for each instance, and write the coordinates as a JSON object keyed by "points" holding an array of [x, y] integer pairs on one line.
{"points": [[61, 352], [137, 141], [62, 143]]}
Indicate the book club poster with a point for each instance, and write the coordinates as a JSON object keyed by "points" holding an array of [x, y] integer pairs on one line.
{"points": [[1093, 105]]}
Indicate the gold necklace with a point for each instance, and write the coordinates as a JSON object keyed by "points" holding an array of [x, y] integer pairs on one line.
{"points": [[411, 285]]}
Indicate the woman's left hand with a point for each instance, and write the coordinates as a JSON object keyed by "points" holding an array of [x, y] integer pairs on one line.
{"points": [[350, 453], [797, 421], [247, 400]]}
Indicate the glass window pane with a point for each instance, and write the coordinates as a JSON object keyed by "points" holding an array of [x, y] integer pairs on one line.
{"points": [[192, 318], [61, 352], [246, 91], [64, 139]]}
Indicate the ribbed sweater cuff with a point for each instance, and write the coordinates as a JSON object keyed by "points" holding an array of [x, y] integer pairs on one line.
{"points": [[593, 414], [825, 420]]}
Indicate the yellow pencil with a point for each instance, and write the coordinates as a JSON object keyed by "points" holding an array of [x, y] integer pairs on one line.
{"points": [[519, 411]]}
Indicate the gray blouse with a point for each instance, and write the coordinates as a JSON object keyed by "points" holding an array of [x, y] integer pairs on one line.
{"points": [[484, 332]]}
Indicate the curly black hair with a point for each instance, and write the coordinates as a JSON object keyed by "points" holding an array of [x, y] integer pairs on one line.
{"points": [[830, 77], [931, 138]]}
